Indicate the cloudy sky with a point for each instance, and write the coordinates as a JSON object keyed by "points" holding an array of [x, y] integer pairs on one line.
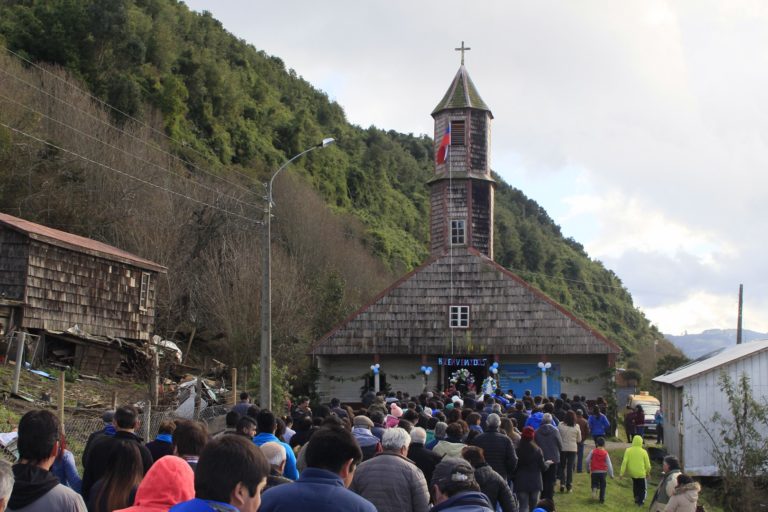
{"points": [[641, 126]]}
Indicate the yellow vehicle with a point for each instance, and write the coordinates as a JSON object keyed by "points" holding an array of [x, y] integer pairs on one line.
{"points": [[650, 405]]}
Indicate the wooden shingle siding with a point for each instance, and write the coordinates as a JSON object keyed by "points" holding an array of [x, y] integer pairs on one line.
{"points": [[507, 316], [479, 121], [66, 288]]}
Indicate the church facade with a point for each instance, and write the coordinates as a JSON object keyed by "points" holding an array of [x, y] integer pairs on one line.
{"points": [[460, 313]]}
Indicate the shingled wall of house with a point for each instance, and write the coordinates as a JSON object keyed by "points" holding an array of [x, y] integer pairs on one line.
{"points": [[66, 287], [507, 316]]}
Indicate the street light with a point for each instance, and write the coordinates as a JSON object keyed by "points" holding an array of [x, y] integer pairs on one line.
{"points": [[266, 286], [544, 367]]}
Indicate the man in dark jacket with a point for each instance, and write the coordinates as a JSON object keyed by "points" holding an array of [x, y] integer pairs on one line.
{"points": [[108, 430], [332, 455], [126, 422], [551, 444], [425, 460], [499, 450], [35, 489]]}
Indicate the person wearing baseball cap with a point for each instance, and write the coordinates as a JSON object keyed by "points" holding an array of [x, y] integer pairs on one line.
{"points": [[455, 487]]}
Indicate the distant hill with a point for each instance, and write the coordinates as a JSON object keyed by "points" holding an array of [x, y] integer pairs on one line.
{"points": [[696, 345]]}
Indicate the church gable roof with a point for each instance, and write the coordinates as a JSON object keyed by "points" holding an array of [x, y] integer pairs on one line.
{"points": [[507, 316], [461, 94]]}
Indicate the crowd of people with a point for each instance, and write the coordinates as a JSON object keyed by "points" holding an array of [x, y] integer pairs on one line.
{"points": [[396, 453]]}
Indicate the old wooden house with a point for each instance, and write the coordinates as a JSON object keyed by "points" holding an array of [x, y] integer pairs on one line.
{"points": [[461, 310], [84, 302], [692, 395]]}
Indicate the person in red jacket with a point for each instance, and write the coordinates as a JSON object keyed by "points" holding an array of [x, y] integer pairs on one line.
{"points": [[169, 481], [599, 465]]}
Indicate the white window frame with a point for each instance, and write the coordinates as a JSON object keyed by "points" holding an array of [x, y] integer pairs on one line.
{"points": [[458, 232], [458, 317], [144, 291]]}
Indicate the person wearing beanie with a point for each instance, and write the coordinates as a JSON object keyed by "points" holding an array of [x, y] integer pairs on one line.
{"points": [[455, 487], [361, 431], [499, 450], [671, 470], [168, 482], [638, 466], [530, 466], [545, 505]]}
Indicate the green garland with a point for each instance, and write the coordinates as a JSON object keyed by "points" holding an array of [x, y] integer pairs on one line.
{"points": [[412, 376], [367, 375]]}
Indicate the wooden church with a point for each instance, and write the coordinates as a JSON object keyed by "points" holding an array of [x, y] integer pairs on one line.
{"points": [[460, 309]]}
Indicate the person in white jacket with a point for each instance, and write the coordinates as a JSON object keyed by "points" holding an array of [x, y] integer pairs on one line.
{"points": [[570, 433]]}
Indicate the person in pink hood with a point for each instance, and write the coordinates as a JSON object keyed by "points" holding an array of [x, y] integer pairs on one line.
{"points": [[393, 418], [169, 481]]}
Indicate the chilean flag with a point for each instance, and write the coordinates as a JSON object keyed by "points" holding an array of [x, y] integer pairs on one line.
{"points": [[442, 151]]}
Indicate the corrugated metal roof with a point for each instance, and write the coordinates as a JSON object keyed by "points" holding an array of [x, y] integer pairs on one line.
{"points": [[716, 360], [76, 242], [461, 94]]}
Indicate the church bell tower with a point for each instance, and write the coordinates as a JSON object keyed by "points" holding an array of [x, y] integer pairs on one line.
{"points": [[461, 191]]}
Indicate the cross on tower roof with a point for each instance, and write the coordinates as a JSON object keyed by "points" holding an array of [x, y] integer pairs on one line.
{"points": [[462, 50]]}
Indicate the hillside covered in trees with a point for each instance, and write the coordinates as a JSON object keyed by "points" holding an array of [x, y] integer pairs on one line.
{"points": [[174, 172]]}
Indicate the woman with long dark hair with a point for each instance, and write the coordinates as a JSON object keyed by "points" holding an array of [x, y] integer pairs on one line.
{"points": [[117, 488], [530, 466]]}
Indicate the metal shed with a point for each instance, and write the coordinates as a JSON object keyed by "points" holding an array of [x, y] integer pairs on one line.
{"points": [[684, 436]]}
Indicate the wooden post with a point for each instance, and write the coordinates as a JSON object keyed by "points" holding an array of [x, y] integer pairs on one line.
{"points": [[198, 396], [114, 400], [147, 420], [233, 386], [189, 345], [154, 381], [62, 384], [19, 357]]}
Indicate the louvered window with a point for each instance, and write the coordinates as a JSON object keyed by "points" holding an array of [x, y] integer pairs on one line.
{"points": [[458, 133]]}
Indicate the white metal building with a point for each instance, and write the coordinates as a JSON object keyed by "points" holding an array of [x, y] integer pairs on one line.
{"points": [[684, 436]]}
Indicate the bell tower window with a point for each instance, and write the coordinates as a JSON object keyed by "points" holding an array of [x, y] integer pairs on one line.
{"points": [[458, 133], [458, 232]]}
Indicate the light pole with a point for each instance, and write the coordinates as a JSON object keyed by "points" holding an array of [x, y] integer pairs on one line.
{"points": [[266, 286], [544, 367]]}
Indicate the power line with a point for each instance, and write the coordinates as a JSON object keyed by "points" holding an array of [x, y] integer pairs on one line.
{"points": [[69, 84], [139, 139], [6, 98], [129, 175]]}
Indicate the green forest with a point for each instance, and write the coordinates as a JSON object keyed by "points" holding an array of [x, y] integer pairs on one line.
{"points": [[210, 117]]}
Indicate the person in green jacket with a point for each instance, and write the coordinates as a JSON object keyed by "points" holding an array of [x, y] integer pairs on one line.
{"points": [[638, 466]]}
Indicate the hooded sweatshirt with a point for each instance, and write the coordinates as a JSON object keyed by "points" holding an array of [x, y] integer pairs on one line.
{"points": [[636, 462], [549, 440], [684, 499], [169, 481], [37, 490]]}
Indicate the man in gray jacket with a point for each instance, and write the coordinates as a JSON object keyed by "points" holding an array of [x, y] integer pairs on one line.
{"points": [[36, 489], [551, 444], [390, 480]]}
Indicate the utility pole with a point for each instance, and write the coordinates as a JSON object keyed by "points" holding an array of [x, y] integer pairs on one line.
{"points": [[741, 306]]}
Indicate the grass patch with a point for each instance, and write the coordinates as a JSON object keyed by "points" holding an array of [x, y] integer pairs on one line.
{"points": [[618, 494]]}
